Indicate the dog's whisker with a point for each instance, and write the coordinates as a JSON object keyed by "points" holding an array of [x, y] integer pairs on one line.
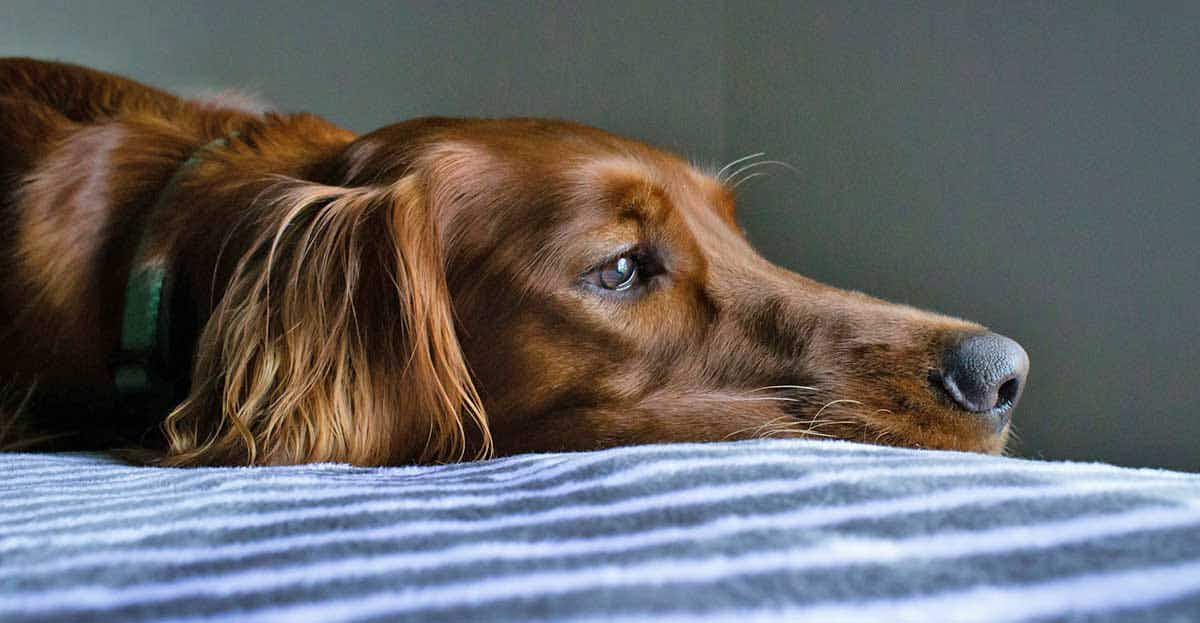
{"points": [[747, 179], [736, 398], [802, 433], [755, 427], [835, 402], [1014, 440], [825, 423], [779, 424], [769, 431], [882, 435], [759, 163], [766, 387], [816, 419], [809, 428], [733, 176], [773, 425], [736, 162], [804, 426]]}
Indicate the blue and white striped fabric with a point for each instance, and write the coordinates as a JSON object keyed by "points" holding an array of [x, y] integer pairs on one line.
{"points": [[750, 531]]}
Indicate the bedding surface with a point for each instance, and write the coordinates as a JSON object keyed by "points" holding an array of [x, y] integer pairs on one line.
{"points": [[748, 531]]}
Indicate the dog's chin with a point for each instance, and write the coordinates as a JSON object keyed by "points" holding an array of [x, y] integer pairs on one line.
{"points": [[931, 427], [962, 438]]}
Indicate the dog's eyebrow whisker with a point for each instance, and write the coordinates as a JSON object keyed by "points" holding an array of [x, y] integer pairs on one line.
{"points": [[760, 163], [735, 162], [747, 179], [753, 166], [733, 176]]}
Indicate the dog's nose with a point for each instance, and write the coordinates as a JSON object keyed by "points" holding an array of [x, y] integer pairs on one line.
{"points": [[985, 374]]}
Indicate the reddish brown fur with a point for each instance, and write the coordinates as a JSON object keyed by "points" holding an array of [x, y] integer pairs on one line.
{"points": [[415, 294]]}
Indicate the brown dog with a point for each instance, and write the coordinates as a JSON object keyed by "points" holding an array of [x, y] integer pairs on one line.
{"points": [[435, 289]]}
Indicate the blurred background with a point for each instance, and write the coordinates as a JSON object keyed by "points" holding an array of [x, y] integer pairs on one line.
{"points": [[1031, 166]]}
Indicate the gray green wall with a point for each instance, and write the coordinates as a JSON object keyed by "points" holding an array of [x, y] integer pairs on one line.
{"points": [[1034, 167]]}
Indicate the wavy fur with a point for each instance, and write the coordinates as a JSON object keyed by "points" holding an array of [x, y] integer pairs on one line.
{"points": [[291, 358]]}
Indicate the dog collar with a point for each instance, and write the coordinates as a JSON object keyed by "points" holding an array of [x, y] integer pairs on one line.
{"points": [[142, 365]]}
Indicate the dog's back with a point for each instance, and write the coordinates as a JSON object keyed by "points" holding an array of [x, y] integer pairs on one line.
{"points": [[42, 105], [40, 99]]}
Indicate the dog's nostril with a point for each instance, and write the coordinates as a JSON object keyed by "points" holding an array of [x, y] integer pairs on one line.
{"points": [[985, 373], [1009, 390]]}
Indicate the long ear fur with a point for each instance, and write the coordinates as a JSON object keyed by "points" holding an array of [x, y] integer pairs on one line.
{"points": [[334, 341]]}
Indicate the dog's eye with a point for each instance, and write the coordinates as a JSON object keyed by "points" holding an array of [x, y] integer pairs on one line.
{"points": [[630, 272], [619, 274]]}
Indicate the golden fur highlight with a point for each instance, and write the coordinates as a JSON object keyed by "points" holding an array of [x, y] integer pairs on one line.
{"points": [[292, 359]]}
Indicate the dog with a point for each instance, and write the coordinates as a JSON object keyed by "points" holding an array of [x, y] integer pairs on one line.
{"points": [[220, 287]]}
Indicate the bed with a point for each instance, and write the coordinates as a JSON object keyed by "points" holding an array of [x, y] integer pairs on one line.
{"points": [[766, 530]]}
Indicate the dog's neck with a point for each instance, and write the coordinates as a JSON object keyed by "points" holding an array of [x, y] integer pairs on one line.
{"points": [[189, 242], [148, 369]]}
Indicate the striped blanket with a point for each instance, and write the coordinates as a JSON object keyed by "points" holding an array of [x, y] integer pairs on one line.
{"points": [[749, 531]]}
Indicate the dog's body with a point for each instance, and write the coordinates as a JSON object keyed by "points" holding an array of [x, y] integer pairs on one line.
{"points": [[435, 289]]}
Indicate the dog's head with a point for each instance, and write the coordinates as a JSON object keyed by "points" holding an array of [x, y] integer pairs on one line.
{"points": [[541, 285]]}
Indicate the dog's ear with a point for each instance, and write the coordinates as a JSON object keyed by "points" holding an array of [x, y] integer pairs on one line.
{"points": [[333, 341]]}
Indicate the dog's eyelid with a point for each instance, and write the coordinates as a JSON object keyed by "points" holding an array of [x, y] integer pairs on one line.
{"points": [[598, 257], [627, 271]]}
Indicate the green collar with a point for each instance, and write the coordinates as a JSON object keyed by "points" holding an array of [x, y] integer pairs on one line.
{"points": [[145, 365]]}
